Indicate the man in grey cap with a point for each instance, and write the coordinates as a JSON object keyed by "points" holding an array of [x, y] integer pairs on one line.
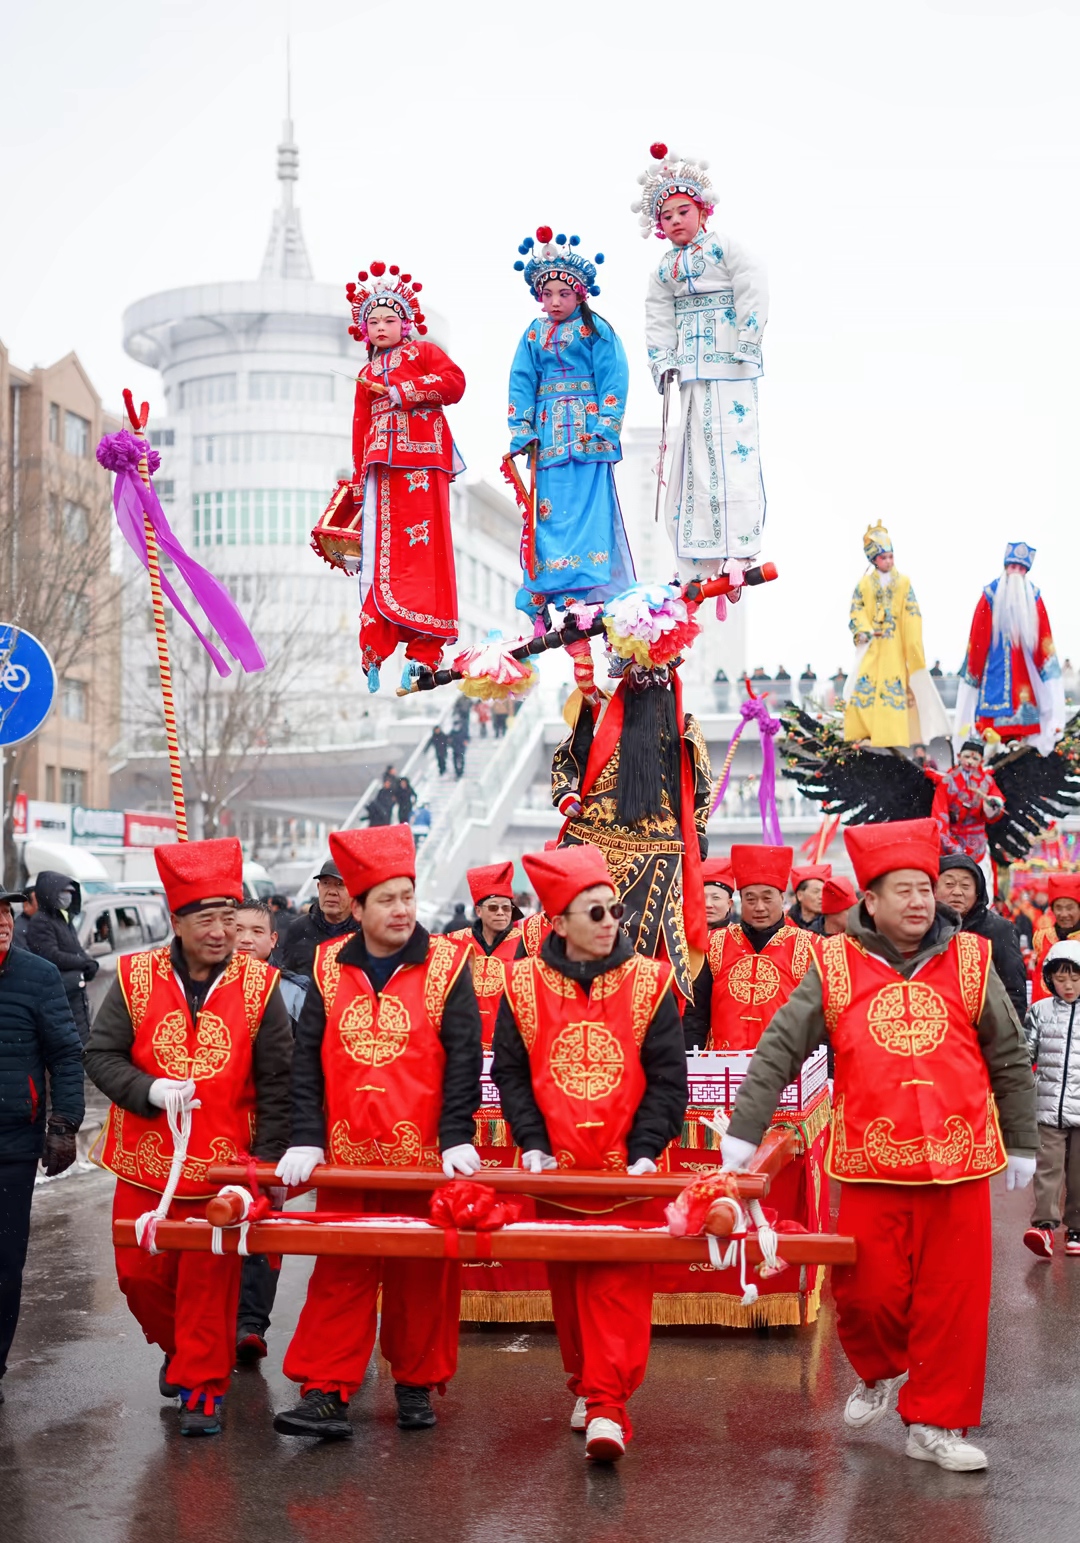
{"points": [[330, 917]]}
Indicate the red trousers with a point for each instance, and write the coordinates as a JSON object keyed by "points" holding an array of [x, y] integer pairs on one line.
{"points": [[421, 1302], [379, 638], [184, 1302], [918, 1297]]}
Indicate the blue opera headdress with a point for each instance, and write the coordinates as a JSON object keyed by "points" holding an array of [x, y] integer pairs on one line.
{"points": [[557, 257], [1019, 552], [876, 542], [666, 175]]}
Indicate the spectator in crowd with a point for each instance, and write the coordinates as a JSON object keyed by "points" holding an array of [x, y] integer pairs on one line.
{"points": [[38, 1119], [329, 917], [483, 717], [380, 811], [256, 934], [1053, 1038], [935, 669], [922, 757], [962, 887], [837, 897], [440, 743], [22, 921], [52, 936], [500, 716], [406, 799], [421, 825], [282, 915], [459, 921], [807, 682]]}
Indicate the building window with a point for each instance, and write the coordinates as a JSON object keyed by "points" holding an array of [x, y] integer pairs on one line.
{"points": [[255, 517], [73, 700], [162, 439], [166, 489], [54, 423], [289, 386], [78, 609], [72, 785], [76, 434], [207, 390], [243, 449], [76, 523], [153, 675], [50, 784]]}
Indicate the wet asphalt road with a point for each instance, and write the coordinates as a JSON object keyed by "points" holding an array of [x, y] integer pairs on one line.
{"points": [[739, 1436]]}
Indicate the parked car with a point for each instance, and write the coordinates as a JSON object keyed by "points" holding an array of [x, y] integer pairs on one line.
{"points": [[119, 923]]}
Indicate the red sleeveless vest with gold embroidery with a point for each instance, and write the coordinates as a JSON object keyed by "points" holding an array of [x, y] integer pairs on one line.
{"points": [[585, 1052], [489, 975], [215, 1051], [748, 987], [912, 1098], [534, 929], [382, 1057]]}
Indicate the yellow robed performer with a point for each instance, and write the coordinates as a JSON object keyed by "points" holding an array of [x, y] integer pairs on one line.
{"points": [[890, 698]]}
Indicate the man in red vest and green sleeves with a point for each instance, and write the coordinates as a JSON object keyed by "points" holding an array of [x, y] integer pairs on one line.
{"points": [[198, 1028], [752, 966], [386, 1073], [591, 1071], [494, 937], [933, 1093]]}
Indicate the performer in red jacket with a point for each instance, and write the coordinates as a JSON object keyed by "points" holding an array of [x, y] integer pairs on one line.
{"points": [[591, 1071], [1061, 922], [753, 966], [928, 1057], [494, 938], [404, 460], [386, 1071], [195, 1025]]}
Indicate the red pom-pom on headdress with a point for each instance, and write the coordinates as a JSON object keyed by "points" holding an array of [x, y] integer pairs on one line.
{"points": [[362, 275], [418, 288], [394, 269], [377, 270], [658, 150], [543, 233]]}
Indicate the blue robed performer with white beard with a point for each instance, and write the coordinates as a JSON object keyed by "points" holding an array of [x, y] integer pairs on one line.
{"points": [[1011, 679]]}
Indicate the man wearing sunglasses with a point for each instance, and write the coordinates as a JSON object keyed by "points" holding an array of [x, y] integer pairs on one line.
{"points": [[591, 1071], [493, 938]]}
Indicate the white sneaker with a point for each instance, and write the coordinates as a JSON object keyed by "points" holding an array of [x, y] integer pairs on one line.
{"points": [[947, 1448], [866, 1405], [604, 1441], [579, 1419]]}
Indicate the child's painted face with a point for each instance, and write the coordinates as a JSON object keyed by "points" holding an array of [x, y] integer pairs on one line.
{"points": [[558, 300], [680, 218], [970, 760], [1066, 980], [384, 327]]}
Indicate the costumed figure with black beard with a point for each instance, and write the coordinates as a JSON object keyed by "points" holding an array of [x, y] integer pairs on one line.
{"points": [[633, 778]]}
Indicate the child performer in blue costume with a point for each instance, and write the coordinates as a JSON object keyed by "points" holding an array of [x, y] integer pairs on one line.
{"points": [[567, 399]]}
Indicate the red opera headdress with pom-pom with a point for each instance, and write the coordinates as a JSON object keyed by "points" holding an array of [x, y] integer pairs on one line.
{"points": [[667, 174], [387, 287]]}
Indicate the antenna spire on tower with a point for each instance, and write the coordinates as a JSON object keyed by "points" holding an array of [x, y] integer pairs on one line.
{"points": [[286, 255]]}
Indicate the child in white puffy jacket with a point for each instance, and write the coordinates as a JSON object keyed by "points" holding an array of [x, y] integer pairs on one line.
{"points": [[1052, 1027]]}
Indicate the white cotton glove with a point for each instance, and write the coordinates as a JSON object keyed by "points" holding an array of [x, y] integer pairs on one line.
{"points": [[537, 1162], [298, 1164], [735, 1153], [1020, 1172], [465, 1160], [162, 1086], [642, 1165]]}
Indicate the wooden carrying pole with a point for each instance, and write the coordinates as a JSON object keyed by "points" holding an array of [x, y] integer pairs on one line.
{"points": [[138, 424], [378, 1237]]}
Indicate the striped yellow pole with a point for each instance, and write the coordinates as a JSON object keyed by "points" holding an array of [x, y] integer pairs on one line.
{"points": [[164, 666]]}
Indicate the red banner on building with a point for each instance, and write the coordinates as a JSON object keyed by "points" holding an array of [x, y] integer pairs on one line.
{"points": [[144, 828]]}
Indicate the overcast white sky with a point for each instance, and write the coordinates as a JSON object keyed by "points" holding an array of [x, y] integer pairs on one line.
{"points": [[908, 171]]}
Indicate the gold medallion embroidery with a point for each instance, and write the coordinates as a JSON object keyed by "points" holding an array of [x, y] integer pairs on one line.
{"points": [[405, 1151], [586, 1061], [213, 1043], [375, 1039], [907, 1017], [753, 980], [488, 977]]}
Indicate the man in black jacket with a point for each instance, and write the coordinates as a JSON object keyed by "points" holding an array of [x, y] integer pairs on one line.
{"points": [[962, 887], [386, 1070], [329, 917], [52, 936], [37, 1037], [591, 1071]]}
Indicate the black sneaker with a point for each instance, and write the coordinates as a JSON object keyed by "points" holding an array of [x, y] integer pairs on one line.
{"points": [[203, 1420], [317, 1414], [414, 1411], [250, 1349], [166, 1388]]}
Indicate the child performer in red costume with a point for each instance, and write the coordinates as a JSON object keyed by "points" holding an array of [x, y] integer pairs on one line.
{"points": [[591, 1070], [405, 460], [929, 1058]]}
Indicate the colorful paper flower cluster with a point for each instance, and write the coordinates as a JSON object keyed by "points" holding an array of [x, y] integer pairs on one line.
{"points": [[490, 671], [650, 624]]}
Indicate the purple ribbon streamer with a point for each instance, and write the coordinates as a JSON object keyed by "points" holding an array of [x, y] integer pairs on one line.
{"points": [[132, 499], [755, 710]]}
